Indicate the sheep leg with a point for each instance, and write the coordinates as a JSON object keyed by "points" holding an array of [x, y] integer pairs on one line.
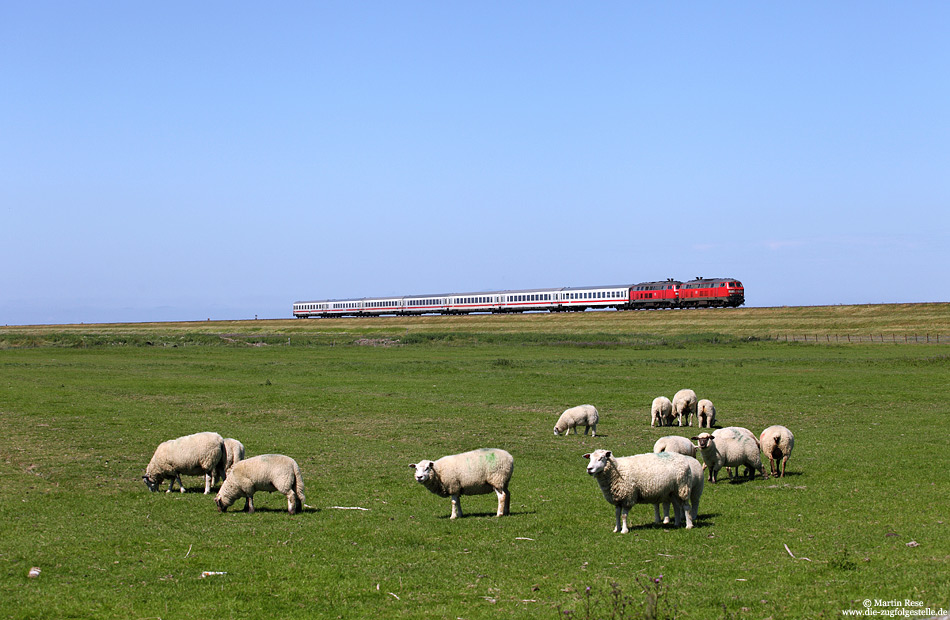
{"points": [[621, 526], [617, 517], [688, 513], [208, 480], [291, 502], [784, 463], [677, 510], [456, 506], [504, 502], [249, 504], [593, 431]]}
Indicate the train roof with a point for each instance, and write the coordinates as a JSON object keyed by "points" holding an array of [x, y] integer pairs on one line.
{"points": [[700, 279]]}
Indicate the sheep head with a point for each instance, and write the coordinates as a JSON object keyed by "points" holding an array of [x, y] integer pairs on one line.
{"points": [[425, 470], [598, 461], [151, 483]]}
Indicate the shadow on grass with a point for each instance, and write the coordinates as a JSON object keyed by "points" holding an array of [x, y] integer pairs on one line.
{"points": [[491, 515]]}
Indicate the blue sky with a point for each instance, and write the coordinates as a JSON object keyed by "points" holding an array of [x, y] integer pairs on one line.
{"points": [[186, 161]]}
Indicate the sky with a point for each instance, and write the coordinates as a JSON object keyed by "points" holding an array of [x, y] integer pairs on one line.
{"points": [[221, 160]]}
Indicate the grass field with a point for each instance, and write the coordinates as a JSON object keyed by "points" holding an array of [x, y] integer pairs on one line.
{"points": [[864, 508]]}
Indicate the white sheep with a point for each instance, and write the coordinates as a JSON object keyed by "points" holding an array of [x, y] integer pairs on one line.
{"points": [[267, 472], [705, 413], [777, 442], [470, 473], [576, 416], [192, 455], [684, 404], [675, 443], [732, 446], [661, 412], [234, 452], [644, 478], [738, 429], [695, 492]]}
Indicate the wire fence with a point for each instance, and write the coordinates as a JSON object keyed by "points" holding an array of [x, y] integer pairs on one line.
{"points": [[858, 338]]}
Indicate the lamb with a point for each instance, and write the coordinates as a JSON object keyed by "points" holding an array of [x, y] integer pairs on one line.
{"points": [[777, 442], [574, 417], [470, 473], [705, 413], [661, 412], [192, 455], [234, 450], [732, 446], [645, 478], [684, 404], [267, 472], [675, 443]]}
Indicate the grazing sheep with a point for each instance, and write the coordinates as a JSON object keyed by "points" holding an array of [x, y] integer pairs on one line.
{"points": [[644, 478], [675, 443], [661, 412], [234, 450], [574, 417], [705, 413], [777, 442], [192, 455], [684, 404], [470, 473], [732, 446], [267, 472]]}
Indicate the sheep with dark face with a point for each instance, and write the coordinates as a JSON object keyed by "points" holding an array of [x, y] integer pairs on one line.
{"points": [[470, 473], [777, 443], [192, 455]]}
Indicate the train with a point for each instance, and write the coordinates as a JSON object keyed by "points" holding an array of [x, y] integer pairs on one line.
{"points": [[670, 293]]}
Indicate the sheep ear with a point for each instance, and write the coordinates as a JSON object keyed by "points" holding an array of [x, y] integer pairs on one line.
{"points": [[695, 438], [586, 456], [412, 466], [609, 454]]}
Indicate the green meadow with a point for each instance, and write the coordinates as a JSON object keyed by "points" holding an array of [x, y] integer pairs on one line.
{"points": [[863, 514]]}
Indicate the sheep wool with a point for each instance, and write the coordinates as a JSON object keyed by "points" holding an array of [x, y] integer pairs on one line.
{"points": [[777, 443], [470, 473], [675, 443], [661, 412], [234, 452], [684, 404], [732, 446], [644, 478], [267, 472], [705, 413], [695, 493], [585, 415], [191, 455]]}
